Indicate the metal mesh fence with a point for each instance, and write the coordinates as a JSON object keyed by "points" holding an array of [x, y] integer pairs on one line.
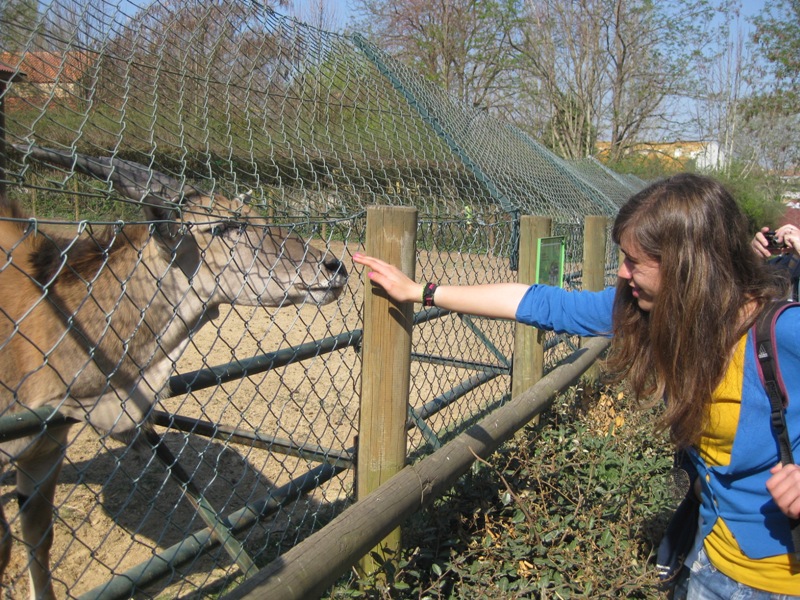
{"points": [[137, 279]]}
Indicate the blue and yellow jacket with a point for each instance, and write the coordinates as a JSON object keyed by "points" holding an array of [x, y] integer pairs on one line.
{"points": [[744, 533]]}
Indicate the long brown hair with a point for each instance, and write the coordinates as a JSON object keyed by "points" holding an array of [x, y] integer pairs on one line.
{"points": [[710, 275]]}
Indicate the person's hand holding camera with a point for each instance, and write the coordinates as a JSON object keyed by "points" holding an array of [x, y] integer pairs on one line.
{"points": [[783, 240]]}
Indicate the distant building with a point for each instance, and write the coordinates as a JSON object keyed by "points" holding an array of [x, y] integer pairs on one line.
{"points": [[9, 73], [792, 214], [47, 74], [706, 155]]}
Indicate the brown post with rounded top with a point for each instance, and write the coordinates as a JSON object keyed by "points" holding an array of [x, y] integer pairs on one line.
{"points": [[386, 366], [595, 236]]}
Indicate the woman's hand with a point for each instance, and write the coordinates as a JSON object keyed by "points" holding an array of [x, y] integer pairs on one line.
{"points": [[495, 300], [788, 235], [400, 287], [784, 487]]}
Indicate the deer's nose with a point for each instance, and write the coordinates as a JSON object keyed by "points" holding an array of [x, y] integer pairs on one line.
{"points": [[335, 266]]}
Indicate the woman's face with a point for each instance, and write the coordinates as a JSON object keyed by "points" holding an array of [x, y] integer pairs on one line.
{"points": [[642, 273]]}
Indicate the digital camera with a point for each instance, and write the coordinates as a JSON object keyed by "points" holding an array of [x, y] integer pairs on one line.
{"points": [[772, 243]]}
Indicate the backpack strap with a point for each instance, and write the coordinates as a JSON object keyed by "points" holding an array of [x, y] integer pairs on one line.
{"points": [[769, 370], [770, 373]]}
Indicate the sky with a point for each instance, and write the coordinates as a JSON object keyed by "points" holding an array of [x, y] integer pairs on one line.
{"points": [[752, 7], [306, 11]]}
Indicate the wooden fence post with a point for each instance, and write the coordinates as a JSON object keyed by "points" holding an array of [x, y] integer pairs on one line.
{"points": [[594, 253], [528, 341], [594, 264], [386, 363]]}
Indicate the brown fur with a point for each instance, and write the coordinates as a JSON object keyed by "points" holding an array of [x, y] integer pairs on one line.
{"points": [[92, 326]]}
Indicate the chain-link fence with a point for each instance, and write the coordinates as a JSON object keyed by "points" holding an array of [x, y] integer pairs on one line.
{"points": [[179, 252]]}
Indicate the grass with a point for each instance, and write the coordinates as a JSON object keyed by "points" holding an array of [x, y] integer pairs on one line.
{"points": [[573, 507]]}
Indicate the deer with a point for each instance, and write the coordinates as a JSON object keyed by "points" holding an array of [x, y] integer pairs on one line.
{"points": [[91, 324]]}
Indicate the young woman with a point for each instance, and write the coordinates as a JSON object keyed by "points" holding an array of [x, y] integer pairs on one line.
{"points": [[688, 291]]}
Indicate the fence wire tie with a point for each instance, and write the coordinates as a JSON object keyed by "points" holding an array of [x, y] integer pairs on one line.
{"points": [[33, 222], [423, 486]]}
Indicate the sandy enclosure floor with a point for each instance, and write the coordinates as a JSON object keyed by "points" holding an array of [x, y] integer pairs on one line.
{"points": [[117, 507]]}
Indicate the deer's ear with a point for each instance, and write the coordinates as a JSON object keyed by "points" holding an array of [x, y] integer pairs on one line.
{"points": [[176, 243], [158, 210], [245, 197], [166, 217]]}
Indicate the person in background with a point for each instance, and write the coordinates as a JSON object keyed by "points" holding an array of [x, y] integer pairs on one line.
{"points": [[688, 291], [782, 250]]}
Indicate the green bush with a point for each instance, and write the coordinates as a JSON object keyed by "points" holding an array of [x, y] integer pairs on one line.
{"points": [[571, 508], [758, 193]]}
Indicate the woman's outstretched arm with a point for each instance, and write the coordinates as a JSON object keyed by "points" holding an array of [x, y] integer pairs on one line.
{"points": [[498, 300]]}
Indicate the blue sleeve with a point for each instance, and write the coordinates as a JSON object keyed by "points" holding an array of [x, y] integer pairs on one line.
{"points": [[577, 313]]}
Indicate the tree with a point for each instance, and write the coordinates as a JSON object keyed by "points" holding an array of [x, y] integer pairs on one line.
{"points": [[773, 115], [17, 17], [610, 68], [321, 14], [187, 48], [777, 35], [465, 46], [719, 105], [562, 68], [770, 132]]}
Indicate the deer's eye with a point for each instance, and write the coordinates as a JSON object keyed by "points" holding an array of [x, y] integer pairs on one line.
{"points": [[226, 227]]}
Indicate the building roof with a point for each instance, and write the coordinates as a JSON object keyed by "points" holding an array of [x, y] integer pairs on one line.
{"points": [[47, 67], [9, 73]]}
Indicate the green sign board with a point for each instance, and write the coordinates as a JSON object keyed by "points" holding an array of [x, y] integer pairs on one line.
{"points": [[550, 260]]}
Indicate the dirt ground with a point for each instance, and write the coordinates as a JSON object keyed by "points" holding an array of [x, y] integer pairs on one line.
{"points": [[117, 506]]}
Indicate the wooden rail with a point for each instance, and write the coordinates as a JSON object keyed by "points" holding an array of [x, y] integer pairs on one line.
{"points": [[313, 565]]}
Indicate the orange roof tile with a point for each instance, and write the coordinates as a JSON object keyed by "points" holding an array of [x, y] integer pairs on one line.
{"points": [[9, 73], [48, 67]]}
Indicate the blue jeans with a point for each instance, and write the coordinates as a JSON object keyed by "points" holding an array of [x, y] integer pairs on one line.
{"points": [[706, 583]]}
